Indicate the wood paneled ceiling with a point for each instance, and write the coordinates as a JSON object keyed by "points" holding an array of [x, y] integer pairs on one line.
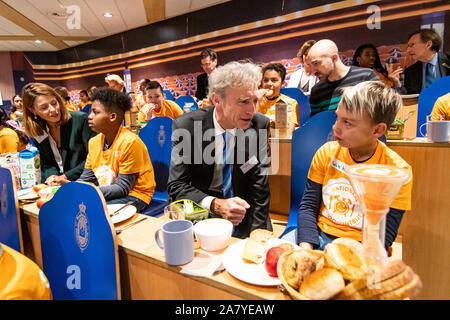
{"points": [[51, 25]]}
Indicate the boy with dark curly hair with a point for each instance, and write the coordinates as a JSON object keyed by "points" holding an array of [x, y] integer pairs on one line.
{"points": [[118, 160]]}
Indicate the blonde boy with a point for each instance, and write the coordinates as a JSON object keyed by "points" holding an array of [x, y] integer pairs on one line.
{"points": [[363, 115]]}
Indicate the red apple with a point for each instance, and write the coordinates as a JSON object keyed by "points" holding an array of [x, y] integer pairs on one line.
{"points": [[272, 257], [40, 202]]}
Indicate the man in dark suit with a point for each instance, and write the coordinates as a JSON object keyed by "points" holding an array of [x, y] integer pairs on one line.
{"points": [[423, 46], [208, 59], [220, 153]]}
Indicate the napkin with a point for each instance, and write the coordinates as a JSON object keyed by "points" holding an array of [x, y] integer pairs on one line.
{"points": [[203, 264]]}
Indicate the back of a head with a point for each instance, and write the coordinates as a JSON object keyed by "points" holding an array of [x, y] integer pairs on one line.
{"points": [[380, 102], [63, 92], [113, 101], [234, 75], [114, 78]]}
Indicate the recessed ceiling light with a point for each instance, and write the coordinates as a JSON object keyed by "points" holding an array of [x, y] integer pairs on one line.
{"points": [[37, 41], [107, 15]]}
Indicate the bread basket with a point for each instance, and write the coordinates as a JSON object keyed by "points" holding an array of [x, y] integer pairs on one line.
{"points": [[281, 266]]}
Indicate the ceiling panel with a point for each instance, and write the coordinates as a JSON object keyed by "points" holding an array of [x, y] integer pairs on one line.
{"points": [[9, 28], [28, 9], [47, 20], [133, 13]]}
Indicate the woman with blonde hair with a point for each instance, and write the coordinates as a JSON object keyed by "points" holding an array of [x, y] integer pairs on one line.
{"points": [[61, 136], [302, 78]]}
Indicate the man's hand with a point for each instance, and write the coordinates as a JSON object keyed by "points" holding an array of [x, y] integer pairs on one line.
{"points": [[55, 180], [232, 209]]}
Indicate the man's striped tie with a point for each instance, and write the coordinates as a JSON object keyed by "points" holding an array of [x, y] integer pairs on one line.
{"points": [[227, 168], [429, 75]]}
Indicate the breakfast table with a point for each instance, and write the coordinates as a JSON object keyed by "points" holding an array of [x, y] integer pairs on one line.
{"points": [[144, 274]]}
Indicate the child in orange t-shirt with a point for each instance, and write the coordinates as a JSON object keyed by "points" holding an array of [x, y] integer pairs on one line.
{"points": [[363, 115], [21, 278], [118, 160], [156, 105]]}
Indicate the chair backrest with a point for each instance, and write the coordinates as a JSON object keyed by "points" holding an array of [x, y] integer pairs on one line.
{"points": [[187, 103], [428, 97], [304, 108], [157, 136], [10, 228], [306, 140], [168, 94], [79, 245]]}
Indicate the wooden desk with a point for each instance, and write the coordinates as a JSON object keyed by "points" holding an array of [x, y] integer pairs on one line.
{"points": [[144, 273], [424, 229]]}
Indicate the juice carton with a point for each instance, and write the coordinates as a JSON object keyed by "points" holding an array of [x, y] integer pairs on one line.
{"points": [[30, 167]]}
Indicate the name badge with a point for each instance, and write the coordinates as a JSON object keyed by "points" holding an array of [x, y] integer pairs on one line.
{"points": [[339, 165], [249, 164]]}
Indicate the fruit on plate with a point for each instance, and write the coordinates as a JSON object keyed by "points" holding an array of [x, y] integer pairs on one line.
{"points": [[272, 257], [39, 187], [40, 202]]}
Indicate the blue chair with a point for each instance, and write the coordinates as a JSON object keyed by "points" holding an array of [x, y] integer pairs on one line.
{"points": [[157, 136], [306, 140], [427, 99], [10, 228], [87, 108], [187, 103], [304, 108], [168, 94], [79, 245]]}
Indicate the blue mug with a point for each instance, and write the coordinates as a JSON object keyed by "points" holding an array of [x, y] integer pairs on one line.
{"points": [[178, 241]]}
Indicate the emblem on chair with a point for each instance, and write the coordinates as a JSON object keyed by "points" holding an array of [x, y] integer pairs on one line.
{"points": [[82, 228], [4, 201], [161, 136]]}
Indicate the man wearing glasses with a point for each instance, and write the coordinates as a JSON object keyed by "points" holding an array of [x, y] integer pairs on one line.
{"points": [[208, 63]]}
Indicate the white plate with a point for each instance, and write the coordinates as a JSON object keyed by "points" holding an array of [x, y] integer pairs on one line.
{"points": [[26, 195], [124, 214], [249, 272]]}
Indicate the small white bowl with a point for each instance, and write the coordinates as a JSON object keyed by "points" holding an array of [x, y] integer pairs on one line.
{"points": [[213, 234]]}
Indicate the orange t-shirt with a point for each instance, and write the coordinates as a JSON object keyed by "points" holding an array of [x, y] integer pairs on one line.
{"points": [[340, 213], [168, 109], [21, 278], [127, 155]]}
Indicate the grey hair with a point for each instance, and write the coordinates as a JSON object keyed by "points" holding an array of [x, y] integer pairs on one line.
{"points": [[234, 74], [380, 102]]}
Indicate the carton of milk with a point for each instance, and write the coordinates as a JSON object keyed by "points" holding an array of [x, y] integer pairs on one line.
{"points": [[30, 167]]}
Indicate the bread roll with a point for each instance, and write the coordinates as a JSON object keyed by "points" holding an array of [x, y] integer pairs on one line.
{"points": [[409, 290], [373, 276], [299, 264], [298, 267], [392, 282], [346, 256], [322, 284], [261, 235]]}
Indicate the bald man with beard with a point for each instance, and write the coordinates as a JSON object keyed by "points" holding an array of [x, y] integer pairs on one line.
{"points": [[333, 74]]}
